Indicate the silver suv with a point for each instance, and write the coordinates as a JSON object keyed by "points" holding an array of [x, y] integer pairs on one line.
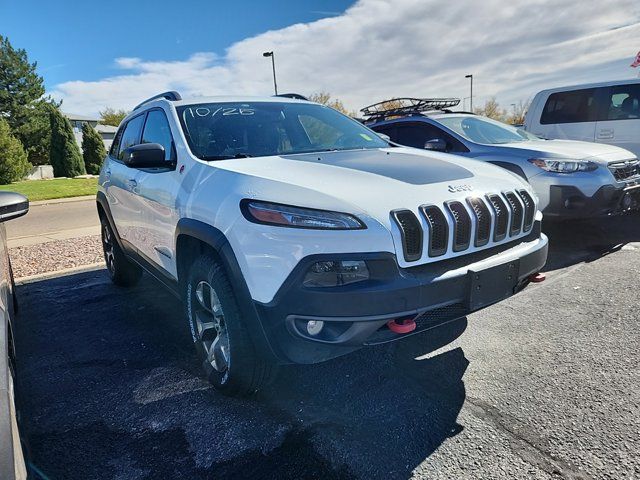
{"points": [[572, 179]]}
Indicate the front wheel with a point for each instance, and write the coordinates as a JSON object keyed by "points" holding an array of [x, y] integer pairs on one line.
{"points": [[219, 334]]}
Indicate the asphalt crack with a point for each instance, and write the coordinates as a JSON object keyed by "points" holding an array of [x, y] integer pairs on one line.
{"points": [[526, 447]]}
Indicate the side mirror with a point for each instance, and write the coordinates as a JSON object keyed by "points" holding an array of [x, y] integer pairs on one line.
{"points": [[436, 144], [145, 155], [12, 205], [386, 138]]}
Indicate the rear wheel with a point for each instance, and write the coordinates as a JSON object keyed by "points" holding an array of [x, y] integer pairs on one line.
{"points": [[122, 271], [219, 334]]}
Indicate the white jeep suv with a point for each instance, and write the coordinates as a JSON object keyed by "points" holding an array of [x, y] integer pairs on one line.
{"points": [[294, 234]]}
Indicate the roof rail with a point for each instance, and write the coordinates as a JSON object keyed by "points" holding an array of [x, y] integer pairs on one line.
{"points": [[406, 106], [297, 96], [172, 96]]}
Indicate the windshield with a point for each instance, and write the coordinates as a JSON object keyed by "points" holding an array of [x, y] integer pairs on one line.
{"points": [[484, 130], [217, 131]]}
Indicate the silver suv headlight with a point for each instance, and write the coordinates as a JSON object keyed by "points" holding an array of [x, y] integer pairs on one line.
{"points": [[563, 166], [276, 214]]}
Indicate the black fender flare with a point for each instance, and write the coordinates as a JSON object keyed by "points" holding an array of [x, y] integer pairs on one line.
{"points": [[512, 168], [103, 203], [215, 239]]}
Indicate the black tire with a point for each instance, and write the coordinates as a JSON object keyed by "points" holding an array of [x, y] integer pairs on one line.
{"points": [[122, 271], [231, 365]]}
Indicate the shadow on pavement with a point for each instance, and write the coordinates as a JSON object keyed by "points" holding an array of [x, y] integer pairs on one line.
{"points": [[572, 242], [111, 388]]}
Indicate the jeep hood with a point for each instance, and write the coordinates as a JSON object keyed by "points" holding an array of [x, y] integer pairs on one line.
{"points": [[373, 182], [569, 149]]}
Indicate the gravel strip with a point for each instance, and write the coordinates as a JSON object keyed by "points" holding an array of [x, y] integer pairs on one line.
{"points": [[55, 255]]}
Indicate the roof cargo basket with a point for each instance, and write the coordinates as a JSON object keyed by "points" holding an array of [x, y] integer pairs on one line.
{"points": [[406, 106], [297, 96], [172, 96]]}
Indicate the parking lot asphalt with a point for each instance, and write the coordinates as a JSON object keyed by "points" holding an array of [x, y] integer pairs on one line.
{"points": [[543, 385]]}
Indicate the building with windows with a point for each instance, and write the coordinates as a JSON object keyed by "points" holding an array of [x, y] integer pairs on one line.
{"points": [[107, 132]]}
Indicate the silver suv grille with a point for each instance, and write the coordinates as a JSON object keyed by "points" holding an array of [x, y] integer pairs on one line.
{"points": [[625, 170], [495, 217]]}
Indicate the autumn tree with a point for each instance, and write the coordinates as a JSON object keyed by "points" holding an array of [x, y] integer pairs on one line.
{"points": [[324, 98], [111, 116], [492, 109], [519, 111]]}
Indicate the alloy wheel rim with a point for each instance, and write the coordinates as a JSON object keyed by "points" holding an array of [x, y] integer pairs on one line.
{"points": [[211, 328], [107, 243]]}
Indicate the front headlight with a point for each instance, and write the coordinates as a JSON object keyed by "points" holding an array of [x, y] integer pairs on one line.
{"points": [[563, 166], [276, 214]]}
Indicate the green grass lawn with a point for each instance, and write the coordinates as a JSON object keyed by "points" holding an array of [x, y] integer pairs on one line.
{"points": [[56, 188]]}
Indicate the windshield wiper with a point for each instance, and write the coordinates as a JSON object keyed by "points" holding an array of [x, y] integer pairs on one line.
{"points": [[211, 158]]}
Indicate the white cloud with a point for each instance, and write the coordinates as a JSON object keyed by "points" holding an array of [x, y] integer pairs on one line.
{"points": [[382, 48]]}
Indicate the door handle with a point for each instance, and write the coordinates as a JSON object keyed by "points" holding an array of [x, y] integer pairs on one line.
{"points": [[132, 184], [107, 172]]}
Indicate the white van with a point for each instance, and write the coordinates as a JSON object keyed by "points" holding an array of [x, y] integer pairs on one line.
{"points": [[606, 112]]}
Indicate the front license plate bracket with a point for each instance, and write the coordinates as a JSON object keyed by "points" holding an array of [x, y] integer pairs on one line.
{"points": [[492, 284]]}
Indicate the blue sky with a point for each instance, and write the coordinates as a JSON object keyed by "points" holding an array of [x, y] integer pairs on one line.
{"points": [[114, 54], [80, 40]]}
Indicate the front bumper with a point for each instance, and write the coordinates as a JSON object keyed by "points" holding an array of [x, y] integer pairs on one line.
{"points": [[356, 315], [569, 202]]}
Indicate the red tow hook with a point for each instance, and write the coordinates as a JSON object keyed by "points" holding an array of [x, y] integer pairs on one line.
{"points": [[538, 277], [402, 325]]}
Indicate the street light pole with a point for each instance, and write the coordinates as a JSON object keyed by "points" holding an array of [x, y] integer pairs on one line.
{"points": [[273, 66], [471, 94]]}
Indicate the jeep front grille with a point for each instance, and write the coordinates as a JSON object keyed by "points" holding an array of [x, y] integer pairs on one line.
{"points": [[501, 215], [529, 209], [623, 171], [483, 221], [493, 216], [516, 213], [438, 230], [411, 232], [461, 226]]}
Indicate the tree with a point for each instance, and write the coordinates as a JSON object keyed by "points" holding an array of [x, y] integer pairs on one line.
{"points": [[324, 98], [13, 159], [110, 116], [519, 111], [20, 85], [64, 154], [492, 109], [35, 133], [93, 150]]}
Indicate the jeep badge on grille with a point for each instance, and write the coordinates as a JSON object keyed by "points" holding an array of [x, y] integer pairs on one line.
{"points": [[460, 188]]}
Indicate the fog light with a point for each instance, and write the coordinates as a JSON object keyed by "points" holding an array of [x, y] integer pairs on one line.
{"points": [[335, 273], [314, 327]]}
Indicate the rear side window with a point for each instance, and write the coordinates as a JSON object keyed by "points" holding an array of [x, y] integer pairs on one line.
{"points": [[570, 107], [157, 130], [416, 135], [131, 135], [623, 102]]}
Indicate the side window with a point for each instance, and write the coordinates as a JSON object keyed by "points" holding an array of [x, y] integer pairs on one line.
{"points": [[570, 107], [623, 102], [157, 130], [411, 135], [113, 151], [131, 135]]}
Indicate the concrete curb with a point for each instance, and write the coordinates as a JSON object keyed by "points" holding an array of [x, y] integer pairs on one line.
{"points": [[59, 273], [62, 200]]}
